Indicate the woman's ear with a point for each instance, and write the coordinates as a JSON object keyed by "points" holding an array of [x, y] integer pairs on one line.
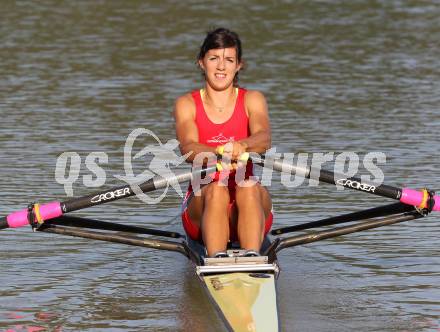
{"points": [[201, 65], [240, 66]]}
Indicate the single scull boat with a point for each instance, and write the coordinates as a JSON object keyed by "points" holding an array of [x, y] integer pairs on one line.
{"points": [[242, 289]]}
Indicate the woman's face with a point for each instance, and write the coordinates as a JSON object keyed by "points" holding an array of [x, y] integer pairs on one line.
{"points": [[220, 66]]}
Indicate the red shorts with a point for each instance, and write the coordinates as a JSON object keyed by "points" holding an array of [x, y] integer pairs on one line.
{"points": [[193, 230]]}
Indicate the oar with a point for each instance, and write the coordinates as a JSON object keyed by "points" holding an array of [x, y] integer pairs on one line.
{"points": [[39, 213], [422, 199], [56, 209]]}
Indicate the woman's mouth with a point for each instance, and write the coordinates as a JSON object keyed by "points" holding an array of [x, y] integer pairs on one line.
{"points": [[220, 76]]}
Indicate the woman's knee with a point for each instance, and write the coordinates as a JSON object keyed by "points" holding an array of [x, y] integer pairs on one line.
{"points": [[215, 193], [248, 193]]}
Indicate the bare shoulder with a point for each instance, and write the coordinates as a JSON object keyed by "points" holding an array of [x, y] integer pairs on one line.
{"points": [[255, 94], [255, 101], [184, 101], [184, 106]]}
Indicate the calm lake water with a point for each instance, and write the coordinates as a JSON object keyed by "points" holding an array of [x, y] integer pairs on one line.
{"points": [[356, 76]]}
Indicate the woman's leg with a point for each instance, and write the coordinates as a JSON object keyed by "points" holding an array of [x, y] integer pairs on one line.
{"points": [[209, 212], [253, 207]]}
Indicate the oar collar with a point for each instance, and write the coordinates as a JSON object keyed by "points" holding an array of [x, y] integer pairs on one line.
{"points": [[428, 202], [34, 215]]}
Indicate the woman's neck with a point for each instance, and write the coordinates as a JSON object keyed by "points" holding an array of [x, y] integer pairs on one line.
{"points": [[220, 99], [220, 95]]}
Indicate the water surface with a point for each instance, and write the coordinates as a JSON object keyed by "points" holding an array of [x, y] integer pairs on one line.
{"points": [[338, 76]]}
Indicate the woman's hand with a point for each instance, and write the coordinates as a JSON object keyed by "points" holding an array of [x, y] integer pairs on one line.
{"points": [[231, 153]]}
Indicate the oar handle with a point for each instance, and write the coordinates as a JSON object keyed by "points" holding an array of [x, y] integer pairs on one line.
{"points": [[242, 158]]}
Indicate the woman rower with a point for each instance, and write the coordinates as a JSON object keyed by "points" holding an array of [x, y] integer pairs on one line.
{"points": [[223, 118]]}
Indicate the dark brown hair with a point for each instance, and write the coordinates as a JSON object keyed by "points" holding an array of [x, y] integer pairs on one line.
{"points": [[221, 38]]}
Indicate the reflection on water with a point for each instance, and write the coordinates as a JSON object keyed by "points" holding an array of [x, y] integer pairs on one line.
{"points": [[338, 76]]}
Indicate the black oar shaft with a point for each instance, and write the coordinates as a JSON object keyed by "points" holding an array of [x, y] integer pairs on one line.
{"points": [[125, 191], [356, 184], [330, 177], [3, 223], [52, 210]]}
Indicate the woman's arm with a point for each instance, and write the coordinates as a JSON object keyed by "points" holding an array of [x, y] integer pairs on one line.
{"points": [[260, 139], [186, 128]]}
